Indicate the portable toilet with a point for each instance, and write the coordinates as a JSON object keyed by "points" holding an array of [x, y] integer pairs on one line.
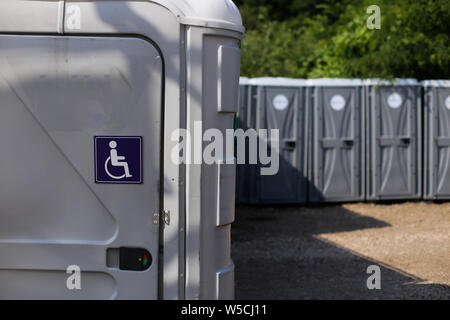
{"points": [[337, 148], [279, 104], [394, 146], [436, 139], [92, 204]]}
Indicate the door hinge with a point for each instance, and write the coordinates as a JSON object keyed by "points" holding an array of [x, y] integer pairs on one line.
{"points": [[156, 218], [165, 216]]}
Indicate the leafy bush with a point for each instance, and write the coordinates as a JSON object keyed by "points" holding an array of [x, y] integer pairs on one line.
{"points": [[331, 39]]}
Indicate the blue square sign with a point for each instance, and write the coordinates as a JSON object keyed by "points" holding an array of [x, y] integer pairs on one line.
{"points": [[118, 159]]}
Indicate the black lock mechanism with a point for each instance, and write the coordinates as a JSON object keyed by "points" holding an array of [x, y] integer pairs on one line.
{"points": [[135, 259], [129, 259]]}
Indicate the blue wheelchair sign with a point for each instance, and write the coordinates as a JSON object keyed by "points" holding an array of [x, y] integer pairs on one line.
{"points": [[118, 159]]}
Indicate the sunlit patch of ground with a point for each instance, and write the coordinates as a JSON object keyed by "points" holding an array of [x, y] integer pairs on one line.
{"points": [[417, 241]]}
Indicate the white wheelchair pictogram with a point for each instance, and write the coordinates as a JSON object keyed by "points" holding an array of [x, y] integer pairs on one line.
{"points": [[116, 161]]}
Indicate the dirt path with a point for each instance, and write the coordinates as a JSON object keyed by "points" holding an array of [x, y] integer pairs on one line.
{"points": [[323, 252]]}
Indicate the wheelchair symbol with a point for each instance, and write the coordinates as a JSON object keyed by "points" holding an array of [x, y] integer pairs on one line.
{"points": [[116, 161]]}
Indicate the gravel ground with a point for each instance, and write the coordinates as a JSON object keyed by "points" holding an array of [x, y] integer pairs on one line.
{"points": [[322, 252]]}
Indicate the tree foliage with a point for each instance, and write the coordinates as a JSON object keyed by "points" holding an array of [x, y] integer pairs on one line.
{"points": [[330, 38]]}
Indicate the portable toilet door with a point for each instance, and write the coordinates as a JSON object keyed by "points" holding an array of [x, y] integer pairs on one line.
{"points": [[92, 205], [437, 139], [281, 106], [337, 144], [394, 157]]}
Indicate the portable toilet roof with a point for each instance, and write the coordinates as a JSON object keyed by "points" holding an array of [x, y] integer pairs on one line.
{"points": [[243, 81], [222, 14], [334, 82], [436, 83], [277, 82], [207, 13], [395, 82]]}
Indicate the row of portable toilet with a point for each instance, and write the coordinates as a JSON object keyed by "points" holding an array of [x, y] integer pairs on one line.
{"points": [[348, 140]]}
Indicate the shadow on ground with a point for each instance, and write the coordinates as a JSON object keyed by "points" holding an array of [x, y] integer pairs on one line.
{"points": [[278, 256]]}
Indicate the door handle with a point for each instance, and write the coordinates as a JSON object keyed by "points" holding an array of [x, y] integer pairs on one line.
{"points": [[128, 259], [405, 142], [290, 144], [349, 143]]}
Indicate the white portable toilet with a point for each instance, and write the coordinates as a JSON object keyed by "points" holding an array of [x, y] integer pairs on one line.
{"points": [[91, 93]]}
